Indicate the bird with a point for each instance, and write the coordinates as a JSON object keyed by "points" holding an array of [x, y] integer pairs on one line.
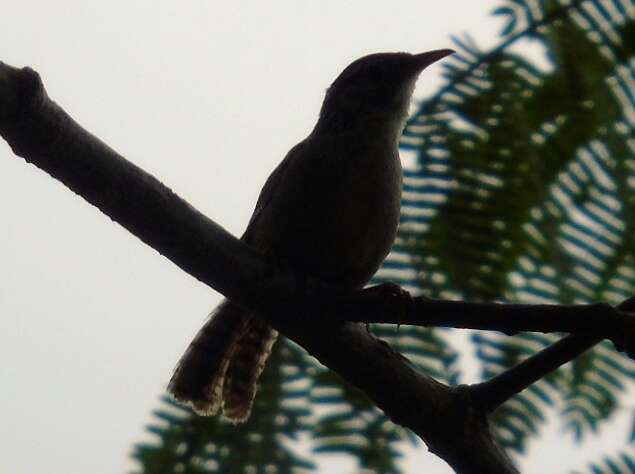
{"points": [[329, 210]]}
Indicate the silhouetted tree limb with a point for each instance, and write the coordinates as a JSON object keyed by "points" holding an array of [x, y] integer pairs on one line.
{"points": [[389, 304], [451, 420]]}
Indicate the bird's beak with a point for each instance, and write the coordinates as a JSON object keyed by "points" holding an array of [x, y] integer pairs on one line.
{"points": [[423, 60]]}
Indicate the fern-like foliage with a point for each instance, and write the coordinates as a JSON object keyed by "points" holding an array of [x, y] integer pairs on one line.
{"points": [[350, 423], [620, 463], [523, 191], [192, 444]]}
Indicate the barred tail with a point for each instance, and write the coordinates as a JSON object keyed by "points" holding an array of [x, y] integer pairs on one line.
{"points": [[198, 378], [247, 362]]}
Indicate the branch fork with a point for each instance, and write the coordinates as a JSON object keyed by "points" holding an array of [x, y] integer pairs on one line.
{"points": [[453, 421]]}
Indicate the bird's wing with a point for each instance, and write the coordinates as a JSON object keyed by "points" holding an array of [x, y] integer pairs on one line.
{"points": [[271, 186]]}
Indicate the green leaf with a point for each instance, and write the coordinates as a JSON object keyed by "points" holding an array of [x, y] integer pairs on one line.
{"points": [[621, 463]]}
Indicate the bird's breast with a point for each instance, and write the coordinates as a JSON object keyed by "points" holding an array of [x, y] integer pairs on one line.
{"points": [[339, 218]]}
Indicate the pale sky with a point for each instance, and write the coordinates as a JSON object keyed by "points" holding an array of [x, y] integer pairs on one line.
{"points": [[208, 96]]}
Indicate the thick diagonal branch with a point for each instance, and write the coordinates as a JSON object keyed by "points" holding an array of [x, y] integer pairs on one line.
{"points": [[38, 130], [43, 134]]}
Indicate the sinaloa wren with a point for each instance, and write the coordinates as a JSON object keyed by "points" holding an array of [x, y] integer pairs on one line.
{"points": [[330, 210]]}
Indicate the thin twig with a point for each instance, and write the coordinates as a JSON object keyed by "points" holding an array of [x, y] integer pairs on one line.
{"points": [[496, 391], [389, 304]]}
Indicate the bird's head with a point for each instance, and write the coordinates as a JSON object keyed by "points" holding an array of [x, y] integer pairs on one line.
{"points": [[374, 90]]}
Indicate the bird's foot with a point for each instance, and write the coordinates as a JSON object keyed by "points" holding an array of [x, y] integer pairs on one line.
{"points": [[388, 290], [400, 299]]}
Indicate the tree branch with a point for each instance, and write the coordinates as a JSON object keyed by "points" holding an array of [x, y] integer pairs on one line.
{"points": [[448, 419], [493, 393], [389, 304], [38, 130]]}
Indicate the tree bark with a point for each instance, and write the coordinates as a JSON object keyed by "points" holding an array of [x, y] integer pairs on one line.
{"points": [[452, 421]]}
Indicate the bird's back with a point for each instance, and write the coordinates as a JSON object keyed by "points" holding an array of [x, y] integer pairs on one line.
{"points": [[331, 208]]}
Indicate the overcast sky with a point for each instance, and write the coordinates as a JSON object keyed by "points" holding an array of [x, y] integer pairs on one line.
{"points": [[208, 96]]}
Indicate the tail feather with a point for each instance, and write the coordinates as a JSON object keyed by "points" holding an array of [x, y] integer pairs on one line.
{"points": [[246, 364], [198, 378]]}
